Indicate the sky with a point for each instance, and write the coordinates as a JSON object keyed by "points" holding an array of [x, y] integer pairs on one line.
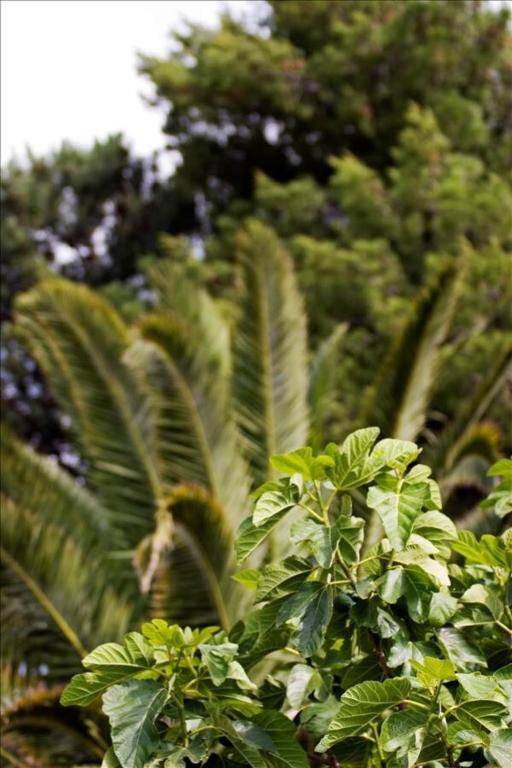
{"points": [[69, 69]]}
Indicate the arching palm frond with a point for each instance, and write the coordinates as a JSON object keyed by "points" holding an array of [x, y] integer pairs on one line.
{"points": [[189, 561], [187, 383], [34, 732], [56, 595], [463, 431], [398, 401], [202, 315], [79, 341], [270, 355], [464, 483], [322, 382], [38, 484]]}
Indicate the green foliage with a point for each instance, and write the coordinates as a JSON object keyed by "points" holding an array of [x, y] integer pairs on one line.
{"points": [[174, 418], [372, 137], [343, 158], [501, 497], [398, 655]]}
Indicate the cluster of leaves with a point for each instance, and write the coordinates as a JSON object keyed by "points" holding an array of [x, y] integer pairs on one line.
{"points": [[396, 653], [174, 418]]}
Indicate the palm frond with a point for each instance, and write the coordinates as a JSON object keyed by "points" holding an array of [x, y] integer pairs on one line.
{"points": [[481, 441], [37, 731], [465, 482], [270, 365], [322, 382], [188, 386], [465, 485], [79, 340], [463, 431], [39, 485], [189, 561], [480, 521], [55, 602], [398, 401], [202, 315]]}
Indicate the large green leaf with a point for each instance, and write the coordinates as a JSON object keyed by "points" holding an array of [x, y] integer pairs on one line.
{"points": [[398, 502], [85, 688], [314, 622], [398, 728], [482, 713], [132, 709], [275, 502], [217, 659], [133, 656], [500, 746], [281, 577], [270, 363], [249, 537], [361, 705], [245, 738], [488, 550], [459, 650], [286, 751], [302, 679], [352, 466], [501, 497]]}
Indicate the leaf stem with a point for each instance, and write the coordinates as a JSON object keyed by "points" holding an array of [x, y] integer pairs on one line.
{"points": [[504, 628], [311, 512], [416, 704], [377, 744]]}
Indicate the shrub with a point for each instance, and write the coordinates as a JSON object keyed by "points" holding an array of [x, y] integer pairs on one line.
{"points": [[392, 653]]}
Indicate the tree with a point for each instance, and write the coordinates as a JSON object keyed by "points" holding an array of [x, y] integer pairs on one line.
{"points": [[374, 137], [377, 656], [175, 418]]}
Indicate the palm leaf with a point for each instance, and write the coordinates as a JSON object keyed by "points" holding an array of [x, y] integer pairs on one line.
{"points": [[480, 521], [188, 385], [190, 575], [322, 383], [54, 594], [174, 288], [463, 432], [39, 485], [398, 401], [79, 340], [270, 365], [465, 483], [36, 731]]}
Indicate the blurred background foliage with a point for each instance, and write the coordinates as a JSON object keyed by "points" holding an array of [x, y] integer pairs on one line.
{"points": [[373, 137], [333, 250]]}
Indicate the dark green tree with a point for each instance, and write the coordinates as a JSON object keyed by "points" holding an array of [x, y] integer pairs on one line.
{"points": [[373, 137]]}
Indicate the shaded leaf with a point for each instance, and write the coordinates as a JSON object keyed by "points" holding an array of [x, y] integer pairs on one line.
{"points": [[361, 705], [132, 709]]}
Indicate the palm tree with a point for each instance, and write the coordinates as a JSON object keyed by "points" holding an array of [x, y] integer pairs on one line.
{"points": [[175, 419]]}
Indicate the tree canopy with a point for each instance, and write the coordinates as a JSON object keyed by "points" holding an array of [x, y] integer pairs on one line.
{"points": [[373, 137]]}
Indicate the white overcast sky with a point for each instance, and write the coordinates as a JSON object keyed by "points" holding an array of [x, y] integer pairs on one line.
{"points": [[69, 68]]}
